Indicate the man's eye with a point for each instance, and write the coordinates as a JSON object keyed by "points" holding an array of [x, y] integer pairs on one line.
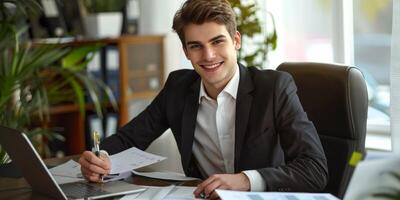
{"points": [[218, 41], [194, 46]]}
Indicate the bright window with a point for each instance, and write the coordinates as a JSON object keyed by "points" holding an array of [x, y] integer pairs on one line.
{"points": [[354, 32]]}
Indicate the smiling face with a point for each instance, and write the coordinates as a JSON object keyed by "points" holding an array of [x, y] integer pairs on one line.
{"points": [[212, 52]]}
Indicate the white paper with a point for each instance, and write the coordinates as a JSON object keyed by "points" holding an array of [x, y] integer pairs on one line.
{"points": [[132, 158], [67, 172], [69, 169], [164, 193], [236, 195], [122, 164], [173, 176], [181, 193], [64, 179], [153, 193]]}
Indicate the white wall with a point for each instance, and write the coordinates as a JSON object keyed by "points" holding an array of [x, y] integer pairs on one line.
{"points": [[156, 18]]}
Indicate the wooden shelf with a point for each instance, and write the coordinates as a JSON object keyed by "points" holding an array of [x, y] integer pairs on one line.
{"points": [[135, 53], [71, 108], [139, 73], [142, 95]]}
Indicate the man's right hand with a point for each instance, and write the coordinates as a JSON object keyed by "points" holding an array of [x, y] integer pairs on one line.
{"points": [[93, 167]]}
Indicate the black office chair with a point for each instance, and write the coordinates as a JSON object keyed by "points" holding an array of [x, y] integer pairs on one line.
{"points": [[336, 100]]}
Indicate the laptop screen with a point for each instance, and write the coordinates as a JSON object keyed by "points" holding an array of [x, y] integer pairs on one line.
{"points": [[25, 157]]}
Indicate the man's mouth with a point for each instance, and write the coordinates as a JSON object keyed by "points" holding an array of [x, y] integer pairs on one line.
{"points": [[211, 67]]}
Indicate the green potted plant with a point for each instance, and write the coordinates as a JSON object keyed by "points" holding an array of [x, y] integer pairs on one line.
{"points": [[103, 18], [256, 43], [34, 77]]}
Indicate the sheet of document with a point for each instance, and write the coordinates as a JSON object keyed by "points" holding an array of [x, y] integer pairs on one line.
{"points": [[132, 158], [153, 193], [164, 193], [70, 169], [64, 179], [68, 172], [181, 193], [236, 195], [122, 164], [173, 176]]}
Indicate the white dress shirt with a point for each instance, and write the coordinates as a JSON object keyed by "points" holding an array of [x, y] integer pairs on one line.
{"points": [[214, 137]]}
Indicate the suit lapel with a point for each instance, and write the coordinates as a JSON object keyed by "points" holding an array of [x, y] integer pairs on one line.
{"points": [[189, 122], [243, 105]]}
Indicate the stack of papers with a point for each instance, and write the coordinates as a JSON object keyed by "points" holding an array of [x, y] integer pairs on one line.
{"points": [[164, 193], [121, 165]]}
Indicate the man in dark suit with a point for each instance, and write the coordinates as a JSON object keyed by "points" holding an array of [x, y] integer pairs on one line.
{"points": [[238, 128]]}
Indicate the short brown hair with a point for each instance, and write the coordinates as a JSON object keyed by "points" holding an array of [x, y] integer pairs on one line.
{"points": [[201, 11]]}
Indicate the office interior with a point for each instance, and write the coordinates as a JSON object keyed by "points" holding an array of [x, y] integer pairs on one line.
{"points": [[356, 33]]}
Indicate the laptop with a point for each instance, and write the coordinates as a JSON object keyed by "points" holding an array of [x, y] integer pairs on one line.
{"points": [[32, 167]]}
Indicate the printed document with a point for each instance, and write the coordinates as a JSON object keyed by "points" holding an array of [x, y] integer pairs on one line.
{"points": [[68, 172], [132, 158], [121, 165], [236, 195], [164, 193]]}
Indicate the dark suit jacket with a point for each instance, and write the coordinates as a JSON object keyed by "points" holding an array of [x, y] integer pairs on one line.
{"points": [[273, 134]]}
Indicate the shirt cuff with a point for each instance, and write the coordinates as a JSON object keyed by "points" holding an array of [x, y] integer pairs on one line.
{"points": [[104, 152], [257, 183]]}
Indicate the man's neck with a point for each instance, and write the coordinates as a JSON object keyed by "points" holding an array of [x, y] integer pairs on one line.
{"points": [[213, 91]]}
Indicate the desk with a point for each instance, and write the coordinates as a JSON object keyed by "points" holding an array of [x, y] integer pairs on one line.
{"points": [[19, 189]]}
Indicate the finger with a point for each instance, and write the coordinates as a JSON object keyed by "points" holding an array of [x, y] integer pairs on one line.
{"points": [[94, 178], [200, 187], [88, 158], [210, 188]]}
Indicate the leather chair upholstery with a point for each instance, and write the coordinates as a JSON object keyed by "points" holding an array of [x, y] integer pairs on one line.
{"points": [[336, 101]]}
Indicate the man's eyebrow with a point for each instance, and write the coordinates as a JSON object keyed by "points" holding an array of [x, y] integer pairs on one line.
{"points": [[212, 39], [217, 37]]}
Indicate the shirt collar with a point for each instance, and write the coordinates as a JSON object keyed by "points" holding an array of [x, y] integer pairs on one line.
{"points": [[231, 88]]}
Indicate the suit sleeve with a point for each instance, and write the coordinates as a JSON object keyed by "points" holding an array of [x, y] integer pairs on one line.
{"points": [[305, 167], [143, 129]]}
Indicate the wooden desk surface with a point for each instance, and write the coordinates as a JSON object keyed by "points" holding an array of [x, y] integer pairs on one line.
{"points": [[18, 188]]}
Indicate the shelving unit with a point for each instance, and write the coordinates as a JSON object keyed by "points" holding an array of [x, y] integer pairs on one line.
{"points": [[141, 72]]}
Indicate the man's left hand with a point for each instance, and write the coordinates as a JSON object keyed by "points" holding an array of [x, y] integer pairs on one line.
{"points": [[222, 181]]}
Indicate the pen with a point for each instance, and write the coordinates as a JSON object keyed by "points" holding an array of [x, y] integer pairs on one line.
{"points": [[96, 145], [96, 142]]}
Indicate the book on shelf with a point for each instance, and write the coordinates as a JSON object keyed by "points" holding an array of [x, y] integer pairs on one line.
{"points": [[53, 18], [112, 70], [111, 124]]}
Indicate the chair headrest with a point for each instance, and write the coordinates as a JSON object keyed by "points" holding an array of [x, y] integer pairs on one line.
{"points": [[334, 96]]}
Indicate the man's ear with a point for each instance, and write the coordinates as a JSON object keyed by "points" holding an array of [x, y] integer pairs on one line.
{"points": [[238, 40]]}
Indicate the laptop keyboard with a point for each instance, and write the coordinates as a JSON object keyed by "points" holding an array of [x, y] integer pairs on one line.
{"points": [[81, 189]]}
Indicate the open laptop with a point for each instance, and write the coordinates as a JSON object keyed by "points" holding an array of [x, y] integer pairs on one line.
{"points": [[28, 161]]}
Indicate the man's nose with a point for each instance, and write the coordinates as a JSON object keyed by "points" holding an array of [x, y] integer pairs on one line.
{"points": [[209, 53]]}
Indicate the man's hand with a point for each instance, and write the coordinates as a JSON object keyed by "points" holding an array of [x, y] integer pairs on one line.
{"points": [[222, 181], [93, 167]]}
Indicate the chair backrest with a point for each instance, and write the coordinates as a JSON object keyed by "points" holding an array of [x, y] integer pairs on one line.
{"points": [[336, 100]]}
